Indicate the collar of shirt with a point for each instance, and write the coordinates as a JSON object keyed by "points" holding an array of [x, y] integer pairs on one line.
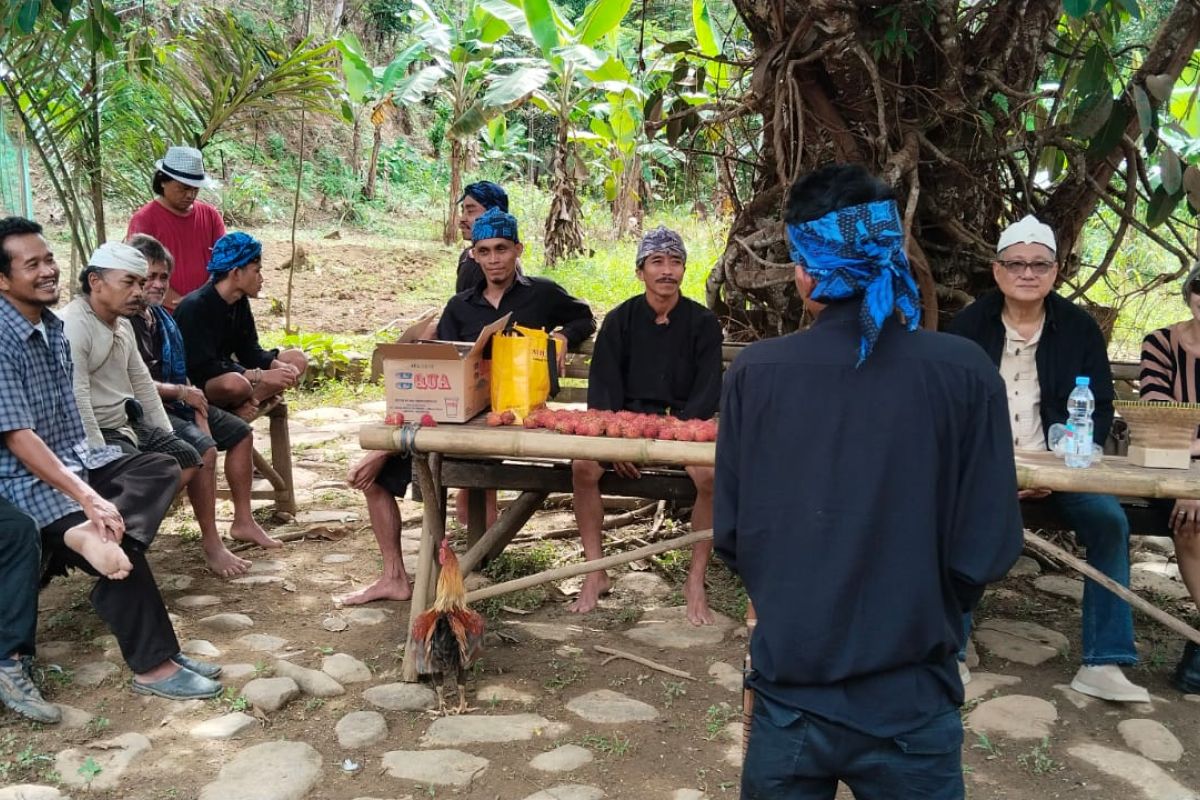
{"points": [[1014, 342], [652, 315], [9, 315], [477, 297]]}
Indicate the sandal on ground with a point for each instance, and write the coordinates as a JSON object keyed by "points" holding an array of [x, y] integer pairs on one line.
{"points": [[183, 685], [201, 668]]}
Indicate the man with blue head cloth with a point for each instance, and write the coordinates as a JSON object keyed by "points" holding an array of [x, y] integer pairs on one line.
{"points": [[220, 338], [865, 493], [477, 199]]}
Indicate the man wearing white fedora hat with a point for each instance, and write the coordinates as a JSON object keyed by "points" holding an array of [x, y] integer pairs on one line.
{"points": [[187, 227]]}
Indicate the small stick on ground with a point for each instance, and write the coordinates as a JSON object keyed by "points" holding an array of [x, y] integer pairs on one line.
{"points": [[612, 523], [645, 662]]}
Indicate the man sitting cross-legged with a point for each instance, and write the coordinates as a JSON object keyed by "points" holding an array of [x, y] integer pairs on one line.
{"points": [[224, 357], [656, 353], [535, 303], [204, 427], [96, 509]]}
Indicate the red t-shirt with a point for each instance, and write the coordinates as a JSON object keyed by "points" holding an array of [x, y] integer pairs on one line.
{"points": [[189, 239]]}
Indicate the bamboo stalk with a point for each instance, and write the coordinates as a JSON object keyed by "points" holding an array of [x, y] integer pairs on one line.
{"points": [[1146, 607], [645, 662], [571, 570], [610, 523], [747, 692], [432, 531]]}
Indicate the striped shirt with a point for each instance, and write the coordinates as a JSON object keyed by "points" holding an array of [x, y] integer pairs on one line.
{"points": [[1169, 369]]}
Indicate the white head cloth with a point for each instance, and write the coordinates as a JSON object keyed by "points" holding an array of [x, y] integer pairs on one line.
{"points": [[1027, 230], [118, 255]]}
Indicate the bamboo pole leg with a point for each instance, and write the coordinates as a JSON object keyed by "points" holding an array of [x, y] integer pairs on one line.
{"points": [[1149, 609], [492, 543], [747, 693], [476, 515], [433, 529]]}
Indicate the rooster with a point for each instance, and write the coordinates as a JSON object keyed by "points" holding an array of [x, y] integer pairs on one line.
{"points": [[449, 636]]}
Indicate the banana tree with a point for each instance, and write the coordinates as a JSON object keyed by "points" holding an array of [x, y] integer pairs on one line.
{"points": [[578, 71], [384, 88]]}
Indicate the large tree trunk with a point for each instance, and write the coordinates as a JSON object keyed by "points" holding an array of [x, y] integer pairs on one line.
{"points": [[458, 164], [373, 164], [563, 235], [925, 117]]}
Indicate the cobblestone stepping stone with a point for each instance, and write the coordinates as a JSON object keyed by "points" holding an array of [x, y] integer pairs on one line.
{"points": [[365, 616], [257, 580], [29, 791], [568, 791], [198, 601], [643, 584], [1025, 567], [726, 676], [1060, 586], [1151, 739], [401, 697], [113, 757], [270, 694], [438, 767], [360, 729], [689, 794], [280, 770], [607, 706], [547, 632], [1014, 716], [491, 729], [562, 759], [173, 583], [226, 726], [95, 673], [1143, 581], [983, 683], [1159, 566], [261, 641], [1140, 774], [1019, 641], [669, 627], [227, 623], [266, 566], [312, 682], [337, 558], [328, 414], [73, 718], [235, 672], [499, 693], [1077, 699], [345, 668], [56, 651], [201, 648]]}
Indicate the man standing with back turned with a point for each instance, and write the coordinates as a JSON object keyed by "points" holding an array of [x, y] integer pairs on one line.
{"points": [[865, 493]]}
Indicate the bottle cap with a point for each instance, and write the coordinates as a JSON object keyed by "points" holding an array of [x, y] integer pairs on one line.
{"points": [[1083, 380]]}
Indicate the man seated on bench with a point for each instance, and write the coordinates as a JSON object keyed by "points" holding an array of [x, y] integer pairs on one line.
{"points": [[477, 199], [656, 353], [224, 357], [117, 399], [1041, 343], [205, 428], [96, 509], [535, 303]]}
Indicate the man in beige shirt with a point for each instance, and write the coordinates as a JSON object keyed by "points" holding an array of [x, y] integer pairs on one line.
{"points": [[116, 395]]}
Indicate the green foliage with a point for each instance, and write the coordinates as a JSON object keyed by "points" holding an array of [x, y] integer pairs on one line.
{"points": [[20, 763], [520, 562]]}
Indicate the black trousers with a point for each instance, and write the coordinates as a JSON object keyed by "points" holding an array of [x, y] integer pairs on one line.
{"points": [[141, 487], [20, 561]]}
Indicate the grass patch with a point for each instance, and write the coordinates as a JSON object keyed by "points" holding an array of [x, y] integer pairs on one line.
{"points": [[613, 746], [20, 763], [520, 562]]}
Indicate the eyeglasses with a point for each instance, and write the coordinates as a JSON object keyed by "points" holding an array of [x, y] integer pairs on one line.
{"points": [[1039, 268]]}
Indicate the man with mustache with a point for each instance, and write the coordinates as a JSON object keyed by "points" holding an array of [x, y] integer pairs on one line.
{"points": [[657, 353]]}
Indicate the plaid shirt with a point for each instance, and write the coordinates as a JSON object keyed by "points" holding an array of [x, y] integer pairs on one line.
{"points": [[36, 394]]}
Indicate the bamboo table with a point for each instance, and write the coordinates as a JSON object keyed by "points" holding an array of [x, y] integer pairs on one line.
{"points": [[484, 452]]}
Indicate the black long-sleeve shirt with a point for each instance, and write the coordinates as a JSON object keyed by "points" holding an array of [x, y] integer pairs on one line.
{"points": [[865, 509], [216, 332], [533, 302], [469, 272], [1071, 345], [640, 365]]}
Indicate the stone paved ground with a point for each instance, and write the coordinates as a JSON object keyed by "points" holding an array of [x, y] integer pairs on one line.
{"points": [[314, 708]]}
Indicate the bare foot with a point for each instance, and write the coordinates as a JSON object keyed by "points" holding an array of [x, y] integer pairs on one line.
{"points": [[698, 612], [247, 411], [224, 563], [107, 558], [383, 589], [595, 586], [252, 532]]}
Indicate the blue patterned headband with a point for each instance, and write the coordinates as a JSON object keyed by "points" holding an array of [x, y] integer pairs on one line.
{"points": [[233, 250], [487, 194], [495, 224], [859, 251]]}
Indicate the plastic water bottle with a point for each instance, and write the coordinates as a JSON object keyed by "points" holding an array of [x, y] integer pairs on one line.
{"points": [[1080, 406]]}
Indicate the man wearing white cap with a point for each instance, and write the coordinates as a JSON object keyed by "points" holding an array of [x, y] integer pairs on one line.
{"points": [[118, 400], [187, 227], [1041, 343]]}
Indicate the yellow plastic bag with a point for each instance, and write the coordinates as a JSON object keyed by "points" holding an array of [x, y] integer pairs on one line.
{"points": [[524, 369]]}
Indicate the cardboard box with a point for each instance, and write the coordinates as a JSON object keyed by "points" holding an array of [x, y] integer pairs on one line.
{"points": [[449, 380], [1160, 457]]}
